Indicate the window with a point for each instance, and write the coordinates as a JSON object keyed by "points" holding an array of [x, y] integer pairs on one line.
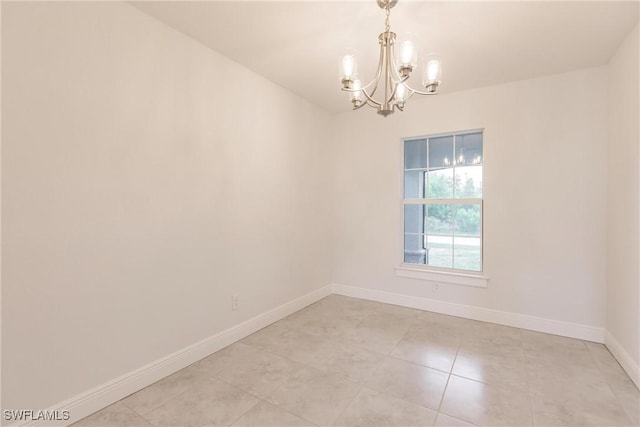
{"points": [[443, 202]]}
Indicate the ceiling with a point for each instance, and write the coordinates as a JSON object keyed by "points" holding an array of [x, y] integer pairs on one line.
{"points": [[298, 44]]}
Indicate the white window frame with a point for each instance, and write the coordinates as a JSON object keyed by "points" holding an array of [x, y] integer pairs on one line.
{"points": [[431, 273]]}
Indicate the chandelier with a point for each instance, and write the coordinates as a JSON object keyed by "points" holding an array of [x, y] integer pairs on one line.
{"points": [[392, 74]]}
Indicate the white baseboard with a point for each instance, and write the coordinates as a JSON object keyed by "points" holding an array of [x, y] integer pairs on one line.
{"points": [[105, 394], [621, 355], [555, 327]]}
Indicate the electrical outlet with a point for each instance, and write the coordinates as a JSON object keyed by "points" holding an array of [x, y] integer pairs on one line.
{"points": [[235, 302], [436, 287]]}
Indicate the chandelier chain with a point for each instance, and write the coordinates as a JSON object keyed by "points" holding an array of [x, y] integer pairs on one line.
{"points": [[387, 27]]}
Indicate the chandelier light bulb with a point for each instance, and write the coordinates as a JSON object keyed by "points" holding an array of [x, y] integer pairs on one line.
{"points": [[348, 67], [408, 54], [356, 95], [432, 70], [401, 94]]}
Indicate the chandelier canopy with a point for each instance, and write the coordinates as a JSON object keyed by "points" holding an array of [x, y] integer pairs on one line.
{"points": [[392, 74]]}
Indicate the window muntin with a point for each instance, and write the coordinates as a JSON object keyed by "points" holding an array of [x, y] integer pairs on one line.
{"points": [[443, 201]]}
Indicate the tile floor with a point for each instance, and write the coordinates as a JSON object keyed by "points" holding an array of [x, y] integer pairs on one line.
{"points": [[350, 362]]}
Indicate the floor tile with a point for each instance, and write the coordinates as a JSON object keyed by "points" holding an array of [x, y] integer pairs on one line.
{"points": [[554, 411], [581, 372], [379, 332], [395, 310], [490, 335], [485, 364], [560, 402], [444, 420], [264, 414], [628, 395], [257, 371], [371, 408], [320, 322], [423, 346], [354, 362], [550, 358], [552, 344], [214, 403], [222, 359], [295, 345], [315, 395], [413, 383], [442, 324], [347, 306], [486, 405], [618, 381], [151, 397], [116, 415]]}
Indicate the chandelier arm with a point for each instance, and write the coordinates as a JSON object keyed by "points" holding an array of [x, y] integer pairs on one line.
{"points": [[370, 98], [412, 90], [396, 75], [419, 92], [393, 78], [397, 80], [377, 77], [362, 88], [360, 106], [388, 73], [370, 101]]}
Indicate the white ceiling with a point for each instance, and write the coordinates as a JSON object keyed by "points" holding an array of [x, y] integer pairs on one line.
{"points": [[298, 44]]}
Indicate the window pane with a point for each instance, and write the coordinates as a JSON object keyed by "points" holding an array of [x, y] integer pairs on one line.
{"points": [[469, 149], [440, 152], [440, 235], [467, 253], [468, 179], [469, 182], [414, 185], [414, 251], [415, 154], [440, 184], [467, 220], [414, 219], [439, 220], [440, 252]]}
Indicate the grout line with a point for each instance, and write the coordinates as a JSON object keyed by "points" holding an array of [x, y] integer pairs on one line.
{"points": [[606, 381], [449, 377], [159, 406], [245, 412], [287, 411], [529, 395], [336, 418], [188, 388]]}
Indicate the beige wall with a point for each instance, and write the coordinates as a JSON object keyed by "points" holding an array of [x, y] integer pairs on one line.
{"points": [[623, 277], [545, 156], [145, 179]]}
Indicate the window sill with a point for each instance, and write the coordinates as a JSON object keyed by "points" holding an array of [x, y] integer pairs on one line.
{"points": [[414, 272]]}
